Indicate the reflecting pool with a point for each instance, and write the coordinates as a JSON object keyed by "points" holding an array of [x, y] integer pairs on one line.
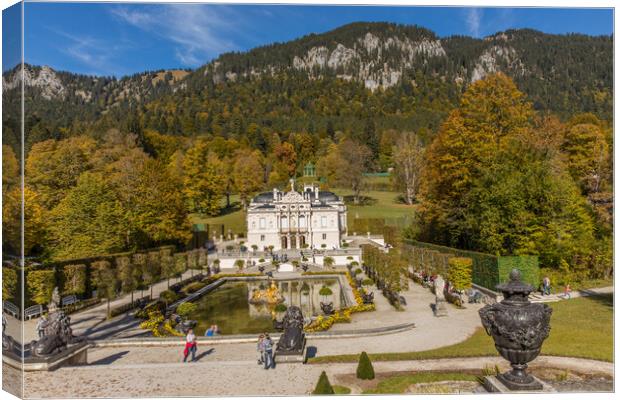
{"points": [[230, 308]]}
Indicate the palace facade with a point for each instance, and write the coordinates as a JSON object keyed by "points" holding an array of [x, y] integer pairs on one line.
{"points": [[292, 220]]}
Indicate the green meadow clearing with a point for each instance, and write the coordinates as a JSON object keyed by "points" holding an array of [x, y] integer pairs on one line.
{"points": [[374, 204]]}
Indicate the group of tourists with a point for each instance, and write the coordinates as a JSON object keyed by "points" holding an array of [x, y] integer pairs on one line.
{"points": [[546, 288], [265, 351]]}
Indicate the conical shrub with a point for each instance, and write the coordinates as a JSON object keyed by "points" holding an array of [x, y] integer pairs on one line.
{"points": [[323, 386], [364, 367]]}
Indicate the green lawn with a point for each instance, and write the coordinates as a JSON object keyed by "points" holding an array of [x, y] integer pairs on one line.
{"points": [[376, 205], [580, 327], [341, 389], [400, 383]]}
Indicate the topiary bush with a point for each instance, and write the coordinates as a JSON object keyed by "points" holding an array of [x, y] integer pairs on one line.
{"points": [[325, 291], [168, 297], [323, 386], [460, 272], [367, 282], [358, 271], [280, 307], [364, 367]]}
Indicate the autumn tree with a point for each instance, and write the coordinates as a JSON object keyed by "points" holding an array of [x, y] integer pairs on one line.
{"points": [[9, 282], [10, 169], [35, 221], [408, 159], [54, 166], [286, 157], [89, 221], [248, 174], [203, 184], [488, 186], [587, 152], [344, 166]]}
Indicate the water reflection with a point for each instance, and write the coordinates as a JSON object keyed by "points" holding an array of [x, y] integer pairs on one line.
{"points": [[228, 306]]}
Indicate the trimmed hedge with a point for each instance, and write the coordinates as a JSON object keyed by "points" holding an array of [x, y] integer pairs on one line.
{"points": [[193, 287], [487, 270]]}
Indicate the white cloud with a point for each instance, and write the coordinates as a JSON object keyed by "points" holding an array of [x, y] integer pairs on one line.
{"points": [[473, 20], [198, 31], [94, 53]]}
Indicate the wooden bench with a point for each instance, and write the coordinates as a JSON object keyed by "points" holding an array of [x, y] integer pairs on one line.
{"points": [[33, 311], [10, 308], [68, 300]]}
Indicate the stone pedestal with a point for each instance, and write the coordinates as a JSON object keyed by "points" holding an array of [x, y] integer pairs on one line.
{"points": [[73, 355], [286, 357], [494, 385]]}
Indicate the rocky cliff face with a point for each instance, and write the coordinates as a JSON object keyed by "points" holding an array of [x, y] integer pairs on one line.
{"points": [[43, 78], [367, 61]]}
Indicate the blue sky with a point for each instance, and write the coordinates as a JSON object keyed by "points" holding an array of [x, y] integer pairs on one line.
{"points": [[120, 39]]}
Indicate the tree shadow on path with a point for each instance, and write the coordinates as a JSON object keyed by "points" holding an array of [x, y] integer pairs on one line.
{"points": [[110, 359]]}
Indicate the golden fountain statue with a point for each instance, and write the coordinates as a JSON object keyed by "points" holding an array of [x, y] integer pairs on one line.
{"points": [[271, 295]]}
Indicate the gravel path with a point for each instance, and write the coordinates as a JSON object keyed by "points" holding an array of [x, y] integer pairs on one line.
{"points": [[218, 378]]}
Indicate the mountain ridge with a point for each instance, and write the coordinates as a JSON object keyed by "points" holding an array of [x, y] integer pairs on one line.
{"points": [[406, 66]]}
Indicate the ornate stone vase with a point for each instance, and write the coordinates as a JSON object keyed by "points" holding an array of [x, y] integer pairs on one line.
{"points": [[518, 328]]}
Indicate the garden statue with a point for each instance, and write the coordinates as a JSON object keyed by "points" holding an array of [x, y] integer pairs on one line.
{"points": [[328, 309], [518, 328], [368, 297], [440, 299], [57, 333], [293, 340], [271, 295]]}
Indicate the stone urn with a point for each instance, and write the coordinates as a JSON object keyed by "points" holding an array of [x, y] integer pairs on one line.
{"points": [[518, 328]]}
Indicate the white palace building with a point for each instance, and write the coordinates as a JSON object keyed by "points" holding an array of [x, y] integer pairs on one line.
{"points": [[292, 220]]}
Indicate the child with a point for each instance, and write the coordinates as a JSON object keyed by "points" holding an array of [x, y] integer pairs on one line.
{"points": [[567, 292]]}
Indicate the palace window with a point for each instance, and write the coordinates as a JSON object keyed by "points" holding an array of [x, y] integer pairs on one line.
{"points": [[261, 223], [323, 222], [324, 236], [302, 221], [284, 222], [262, 238]]}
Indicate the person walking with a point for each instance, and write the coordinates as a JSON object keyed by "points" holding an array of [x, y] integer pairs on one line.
{"points": [[190, 346], [567, 291], [268, 352], [260, 348], [546, 286]]}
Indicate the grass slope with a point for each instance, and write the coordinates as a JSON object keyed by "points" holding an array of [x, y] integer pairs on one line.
{"points": [[377, 204], [399, 384], [581, 327]]}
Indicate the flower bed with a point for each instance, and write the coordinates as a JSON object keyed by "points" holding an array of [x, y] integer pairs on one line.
{"points": [[322, 323]]}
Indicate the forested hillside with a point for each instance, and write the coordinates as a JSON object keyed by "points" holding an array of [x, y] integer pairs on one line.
{"points": [[401, 77], [502, 144]]}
